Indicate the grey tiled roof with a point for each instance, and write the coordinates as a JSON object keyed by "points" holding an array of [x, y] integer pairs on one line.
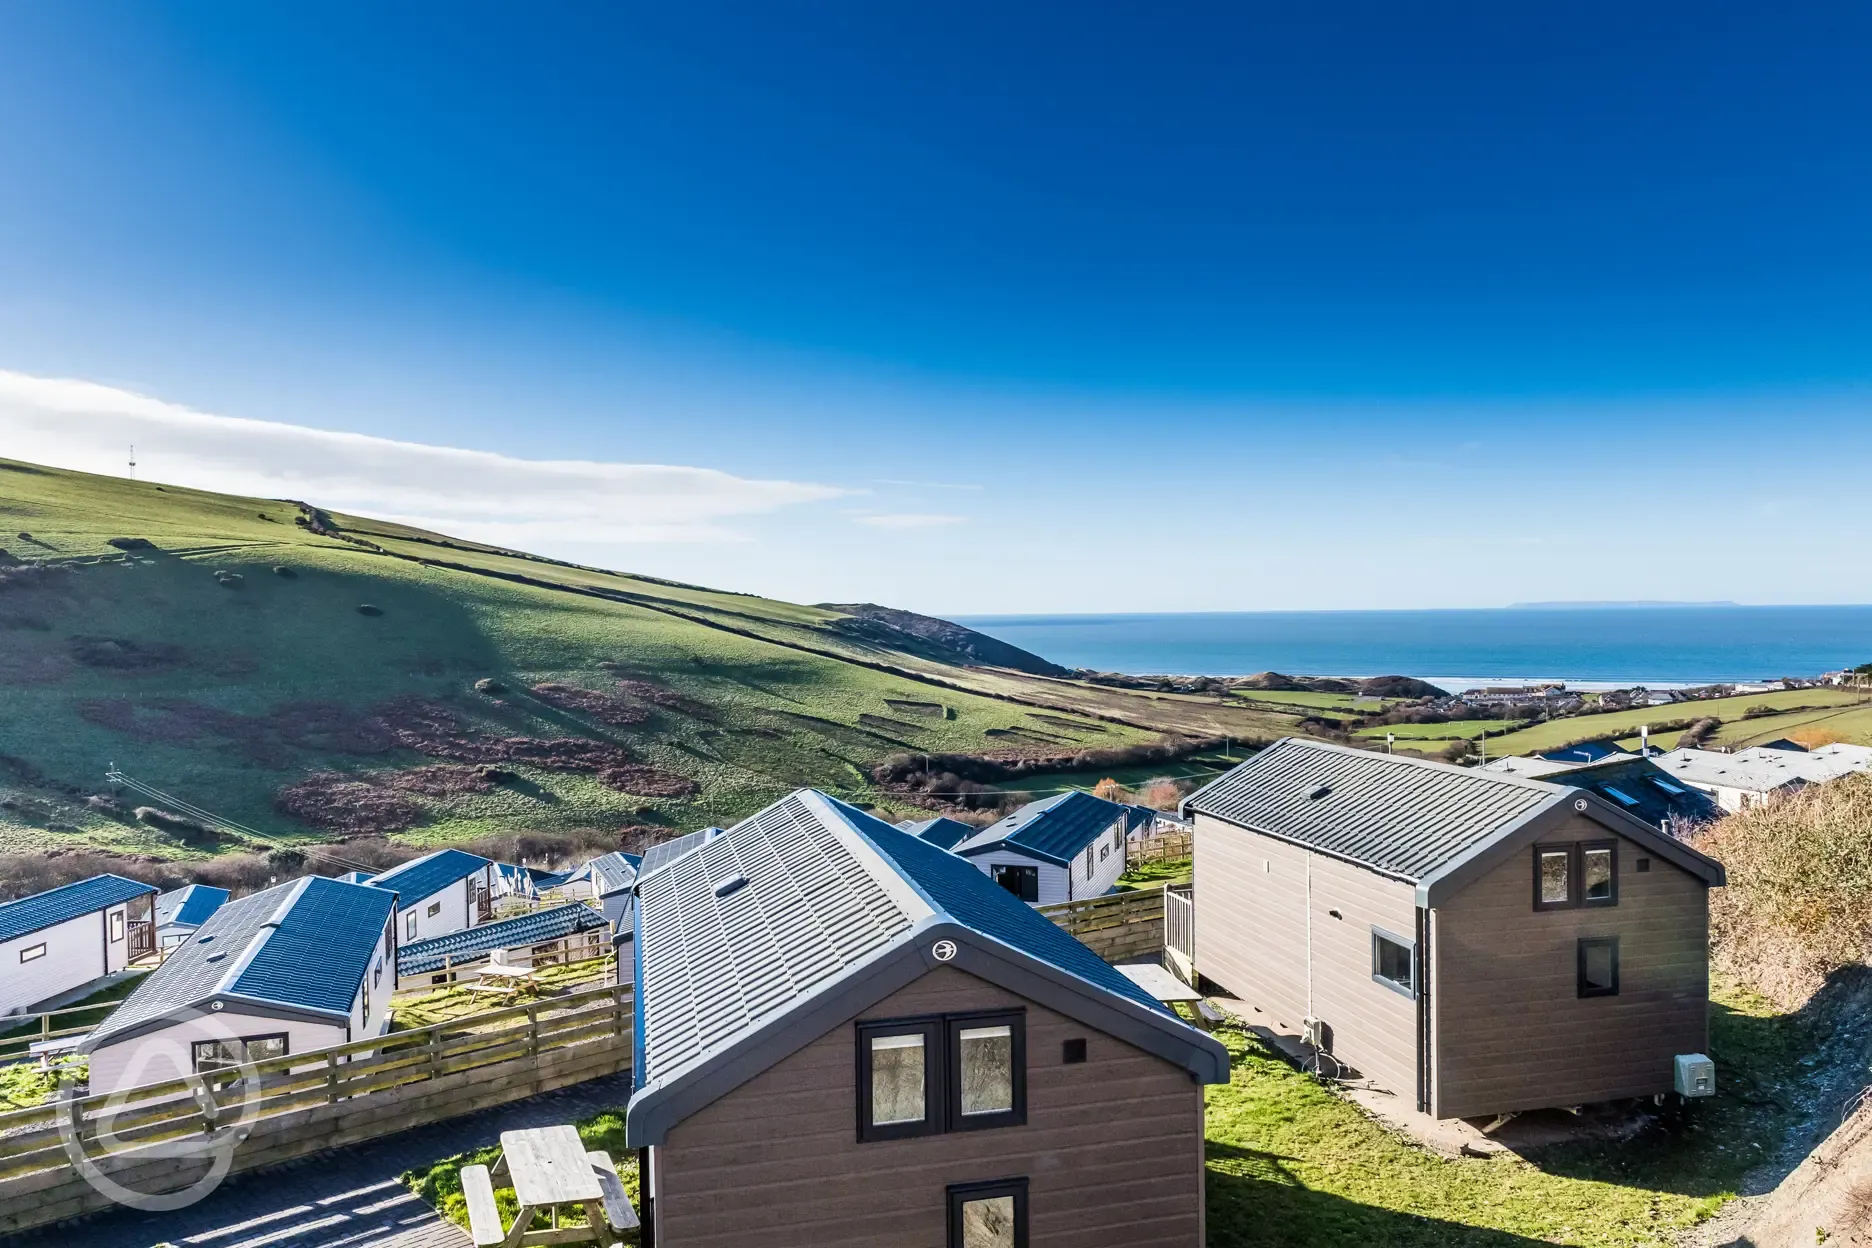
{"points": [[1404, 817], [472, 943], [613, 872], [713, 965], [659, 856]]}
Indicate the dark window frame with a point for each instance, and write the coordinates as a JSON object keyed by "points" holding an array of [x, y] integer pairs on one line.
{"points": [[1540, 853], [1585, 943], [960, 1194], [1410, 948], [1026, 873], [285, 1039], [32, 953], [1610, 845], [942, 1073], [955, 1024], [117, 927], [935, 1094], [1575, 852]]}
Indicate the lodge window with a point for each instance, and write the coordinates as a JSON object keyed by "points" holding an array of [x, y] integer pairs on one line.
{"points": [[116, 926], [1581, 874], [32, 953], [409, 926], [1104, 852], [1598, 966], [1394, 961], [958, 1072], [226, 1054], [1091, 859], [1023, 882], [988, 1215], [435, 908], [365, 1015]]}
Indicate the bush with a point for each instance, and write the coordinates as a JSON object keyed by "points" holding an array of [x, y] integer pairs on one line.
{"points": [[283, 570], [131, 543], [174, 824], [1696, 734], [1798, 905]]}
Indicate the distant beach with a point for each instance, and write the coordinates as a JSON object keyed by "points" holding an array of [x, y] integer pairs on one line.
{"points": [[1596, 645]]}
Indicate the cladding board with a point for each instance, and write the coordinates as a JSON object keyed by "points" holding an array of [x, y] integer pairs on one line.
{"points": [[1112, 1147], [1510, 1031]]}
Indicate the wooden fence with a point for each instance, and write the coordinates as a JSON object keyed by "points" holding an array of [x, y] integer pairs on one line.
{"points": [[303, 1103], [1116, 926], [1166, 847]]}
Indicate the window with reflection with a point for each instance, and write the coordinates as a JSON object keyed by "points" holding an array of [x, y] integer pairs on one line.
{"points": [[958, 1072], [1581, 874], [988, 1215]]}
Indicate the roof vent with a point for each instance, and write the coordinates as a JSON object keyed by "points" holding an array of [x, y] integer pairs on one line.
{"points": [[206, 940], [729, 885], [1318, 791], [216, 957]]}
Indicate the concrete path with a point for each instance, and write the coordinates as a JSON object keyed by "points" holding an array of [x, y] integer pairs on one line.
{"points": [[347, 1197]]}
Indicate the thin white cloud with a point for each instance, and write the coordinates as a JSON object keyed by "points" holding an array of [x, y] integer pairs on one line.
{"points": [[909, 520], [473, 494], [928, 485]]}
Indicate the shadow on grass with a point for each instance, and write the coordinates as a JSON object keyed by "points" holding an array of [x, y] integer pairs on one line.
{"points": [[1780, 1077], [1254, 1200]]}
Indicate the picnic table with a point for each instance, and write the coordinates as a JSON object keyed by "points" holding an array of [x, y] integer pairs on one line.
{"points": [[551, 1171]]}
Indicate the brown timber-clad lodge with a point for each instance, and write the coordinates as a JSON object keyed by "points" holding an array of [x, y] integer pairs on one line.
{"points": [[875, 1043], [1483, 943]]}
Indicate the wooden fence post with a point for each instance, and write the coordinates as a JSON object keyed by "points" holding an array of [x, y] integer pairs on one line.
{"points": [[331, 1078]]}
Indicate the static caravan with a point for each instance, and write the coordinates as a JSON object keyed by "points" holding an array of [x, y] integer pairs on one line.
{"points": [[180, 912], [1060, 849], [439, 893], [57, 943], [301, 966], [1476, 942], [613, 879], [884, 1047], [573, 932]]}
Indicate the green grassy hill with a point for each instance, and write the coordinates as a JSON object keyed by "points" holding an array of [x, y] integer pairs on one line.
{"points": [[313, 676]]}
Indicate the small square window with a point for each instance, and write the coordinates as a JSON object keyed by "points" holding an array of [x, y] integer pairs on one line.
{"points": [[1073, 1052], [1394, 962], [1104, 852], [988, 1215], [32, 953], [435, 908], [1599, 966]]}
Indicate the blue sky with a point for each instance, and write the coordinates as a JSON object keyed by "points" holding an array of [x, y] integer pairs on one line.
{"points": [[971, 309]]}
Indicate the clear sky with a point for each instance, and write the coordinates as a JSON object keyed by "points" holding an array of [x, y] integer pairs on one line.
{"points": [[976, 307]]}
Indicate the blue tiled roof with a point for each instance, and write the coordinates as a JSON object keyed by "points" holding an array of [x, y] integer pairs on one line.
{"points": [[974, 900], [307, 943], [426, 876], [190, 905], [1053, 829], [57, 905], [473, 942], [321, 947], [942, 832]]}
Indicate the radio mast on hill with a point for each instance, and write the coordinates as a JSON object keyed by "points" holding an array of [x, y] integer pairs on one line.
{"points": [[133, 461]]}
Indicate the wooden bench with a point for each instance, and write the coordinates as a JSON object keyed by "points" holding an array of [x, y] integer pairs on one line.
{"points": [[617, 1206], [484, 1221], [1210, 1016]]}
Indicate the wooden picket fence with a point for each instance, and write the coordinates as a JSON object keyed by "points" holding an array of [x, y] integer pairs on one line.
{"points": [[1166, 847], [363, 1071]]}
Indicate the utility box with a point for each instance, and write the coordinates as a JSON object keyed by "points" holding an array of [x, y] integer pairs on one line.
{"points": [[1695, 1075]]}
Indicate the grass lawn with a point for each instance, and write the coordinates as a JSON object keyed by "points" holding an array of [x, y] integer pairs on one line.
{"points": [[1440, 733], [91, 1010], [1292, 1164], [448, 1004], [440, 1183], [1151, 874], [1307, 699], [1614, 724]]}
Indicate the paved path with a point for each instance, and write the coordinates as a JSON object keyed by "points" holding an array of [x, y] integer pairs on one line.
{"points": [[347, 1197]]}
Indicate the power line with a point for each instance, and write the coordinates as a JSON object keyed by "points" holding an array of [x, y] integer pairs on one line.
{"points": [[211, 819]]}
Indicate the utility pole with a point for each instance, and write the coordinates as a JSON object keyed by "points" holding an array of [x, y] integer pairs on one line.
{"points": [[133, 461]]}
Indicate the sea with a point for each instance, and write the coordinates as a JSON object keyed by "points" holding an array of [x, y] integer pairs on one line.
{"points": [[1588, 647]]}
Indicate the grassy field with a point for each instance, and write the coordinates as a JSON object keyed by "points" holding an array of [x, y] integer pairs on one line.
{"points": [[195, 665], [1310, 700], [1844, 712], [1291, 1164], [1440, 733]]}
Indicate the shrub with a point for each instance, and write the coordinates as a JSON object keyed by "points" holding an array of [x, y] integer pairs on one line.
{"points": [[175, 825], [493, 688], [131, 543], [1798, 905], [1696, 734]]}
